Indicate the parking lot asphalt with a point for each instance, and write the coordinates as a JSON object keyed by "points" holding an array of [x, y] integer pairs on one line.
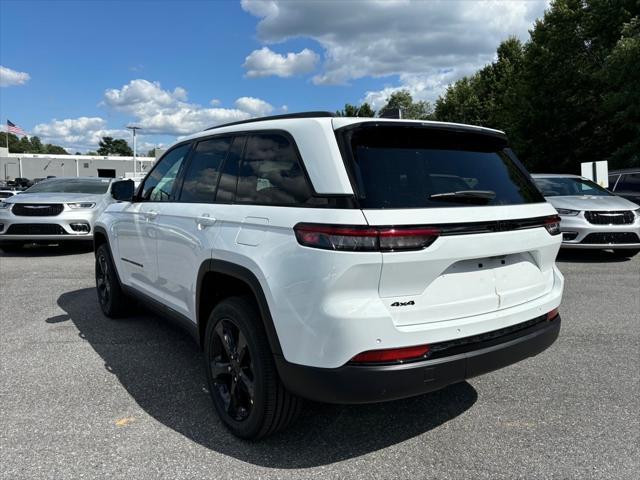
{"points": [[82, 396]]}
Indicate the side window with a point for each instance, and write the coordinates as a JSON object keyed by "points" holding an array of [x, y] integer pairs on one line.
{"points": [[158, 187], [201, 177], [629, 182], [612, 181], [270, 173], [229, 177]]}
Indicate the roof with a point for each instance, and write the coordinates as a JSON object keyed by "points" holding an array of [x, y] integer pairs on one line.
{"points": [[328, 119], [555, 175], [625, 170]]}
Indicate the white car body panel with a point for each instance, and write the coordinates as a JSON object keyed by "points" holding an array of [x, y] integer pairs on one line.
{"points": [[328, 306]]}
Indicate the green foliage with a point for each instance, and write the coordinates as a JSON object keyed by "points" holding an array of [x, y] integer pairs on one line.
{"points": [[570, 94], [29, 145], [363, 110], [403, 100], [54, 149], [111, 146]]}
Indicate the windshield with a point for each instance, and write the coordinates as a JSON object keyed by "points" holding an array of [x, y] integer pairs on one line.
{"points": [[412, 167], [71, 185], [568, 186]]}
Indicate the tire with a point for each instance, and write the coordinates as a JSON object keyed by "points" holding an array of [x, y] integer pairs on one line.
{"points": [[11, 247], [113, 301], [629, 252], [255, 404]]}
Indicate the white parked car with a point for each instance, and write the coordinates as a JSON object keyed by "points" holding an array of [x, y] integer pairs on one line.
{"points": [[592, 217], [344, 260], [54, 210]]}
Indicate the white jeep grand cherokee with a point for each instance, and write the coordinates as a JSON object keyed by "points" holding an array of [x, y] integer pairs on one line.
{"points": [[344, 260]]}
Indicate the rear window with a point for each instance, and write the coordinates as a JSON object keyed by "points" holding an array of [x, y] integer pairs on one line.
{"points": [[72, 185], [569, 186], [405, 167]]}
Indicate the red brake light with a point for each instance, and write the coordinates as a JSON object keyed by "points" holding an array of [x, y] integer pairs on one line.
{"points": [[365, 239], [552, 224], [392, 355], [553, 314]]}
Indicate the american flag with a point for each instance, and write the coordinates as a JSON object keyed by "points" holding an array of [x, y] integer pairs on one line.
{"points": [[13, 128]]}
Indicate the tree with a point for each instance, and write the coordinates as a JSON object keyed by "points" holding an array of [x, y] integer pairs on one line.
{"points": [[363, 110], [622, 70], [55, 149], [91, 152], [491, 97], [570, 94], [36, 145], [403, 100], [13, 142], [111, 146], [24, 145]]}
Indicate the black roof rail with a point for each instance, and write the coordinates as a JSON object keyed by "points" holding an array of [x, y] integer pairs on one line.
{"points": [[277, 117]]}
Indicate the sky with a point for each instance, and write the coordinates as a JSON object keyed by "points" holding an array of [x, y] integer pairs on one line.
{"points": [[74, 71]]}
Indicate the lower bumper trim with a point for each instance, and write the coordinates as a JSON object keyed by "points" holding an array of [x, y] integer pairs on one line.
{"points": [[352, 384]]}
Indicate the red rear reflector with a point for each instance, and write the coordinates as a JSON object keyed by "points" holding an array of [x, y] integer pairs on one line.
{"points": [[552, 224], [364, 239], [553, 314], [392, 355]]}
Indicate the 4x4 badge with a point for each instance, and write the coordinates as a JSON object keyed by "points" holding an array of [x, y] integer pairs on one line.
{"points": [[403, 304]]}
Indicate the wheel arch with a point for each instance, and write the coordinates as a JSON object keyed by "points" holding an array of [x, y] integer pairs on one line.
{"points": [[235, 279]]}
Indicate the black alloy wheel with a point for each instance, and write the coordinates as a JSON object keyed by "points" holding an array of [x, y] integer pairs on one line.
{"points": [[243, 380], [103, 280], [113, 301], [232, 370]]}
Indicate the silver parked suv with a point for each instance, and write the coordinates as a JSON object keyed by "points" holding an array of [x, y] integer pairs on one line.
{"points": [[53, 211], [592, 217]]}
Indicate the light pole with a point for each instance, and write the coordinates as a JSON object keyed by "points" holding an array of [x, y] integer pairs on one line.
{"points": [[133, 128]]}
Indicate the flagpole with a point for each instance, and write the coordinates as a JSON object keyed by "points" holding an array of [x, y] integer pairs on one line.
{"points": [[6, 135]]}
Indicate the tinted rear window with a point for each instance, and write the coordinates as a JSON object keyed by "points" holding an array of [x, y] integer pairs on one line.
{"points": [[569, 186], [72, 185], [401, 167]]}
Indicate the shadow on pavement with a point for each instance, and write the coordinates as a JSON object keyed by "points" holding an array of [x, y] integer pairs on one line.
{"points": [[162, 369], [590, 256], [50, 250]]}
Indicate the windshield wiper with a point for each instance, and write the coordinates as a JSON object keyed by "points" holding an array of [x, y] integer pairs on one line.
{"points": [[465, 196]]}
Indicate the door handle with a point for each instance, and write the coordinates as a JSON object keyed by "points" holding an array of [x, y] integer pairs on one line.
{"points": [[205, 220], [151, 215]]}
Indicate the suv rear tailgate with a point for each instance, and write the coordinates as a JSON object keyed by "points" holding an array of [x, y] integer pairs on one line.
{"points": [[493, 250], [469, 274]]}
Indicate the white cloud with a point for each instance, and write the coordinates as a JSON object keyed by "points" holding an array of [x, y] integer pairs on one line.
{"points": [[426, 41], [160, 111], [253, 106], [265, 62], [77, 133], [9, 78]]}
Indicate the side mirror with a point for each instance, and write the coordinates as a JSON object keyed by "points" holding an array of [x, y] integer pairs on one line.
{"points": [[122, 190]]}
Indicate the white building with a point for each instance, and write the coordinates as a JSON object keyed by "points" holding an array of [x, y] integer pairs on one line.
{"points": [[30, 165]]}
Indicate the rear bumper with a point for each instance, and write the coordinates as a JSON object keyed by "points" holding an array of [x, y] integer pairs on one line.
{"points": [[369, 384]]}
